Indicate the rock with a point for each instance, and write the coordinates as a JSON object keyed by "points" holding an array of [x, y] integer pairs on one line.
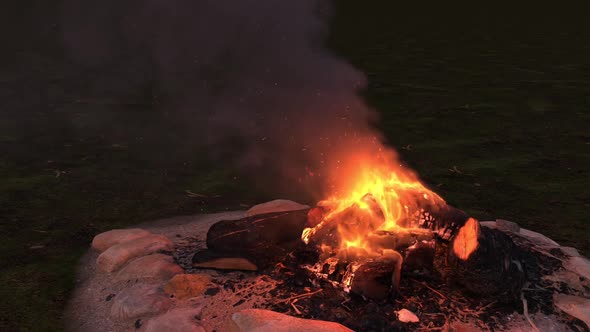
{"points": [[206, 259], [573, 252], [185, 286], [116, 256], [139, 300], [269, 321], [505, 225], [576, 306], [538, 238], [278, 205], [578, 265], [105, 240], [178, 320], [407, 316], [569, 278], [488, 224], [156, 267]]}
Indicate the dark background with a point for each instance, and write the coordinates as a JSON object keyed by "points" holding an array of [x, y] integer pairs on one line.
{"points": [[488, 103]]}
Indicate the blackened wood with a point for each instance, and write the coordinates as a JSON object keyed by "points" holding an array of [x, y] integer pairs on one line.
{"points": [[445, 221], [263, 239], [418, 259], [494, 268], [378, 279]]}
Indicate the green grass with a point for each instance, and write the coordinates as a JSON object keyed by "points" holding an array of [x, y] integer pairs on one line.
{"points": [[505, 101], [502, 97]]}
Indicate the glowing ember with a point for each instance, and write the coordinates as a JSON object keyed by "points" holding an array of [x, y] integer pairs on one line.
{"points": [[466, 241], [373, 197]]}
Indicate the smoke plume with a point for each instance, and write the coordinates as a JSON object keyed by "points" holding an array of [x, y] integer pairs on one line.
{"points": [[251, 80]]}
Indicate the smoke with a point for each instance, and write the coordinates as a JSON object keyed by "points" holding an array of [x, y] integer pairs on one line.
{"points": [[251, 80]]}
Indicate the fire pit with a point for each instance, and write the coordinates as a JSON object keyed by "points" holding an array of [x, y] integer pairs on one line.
{"points": [[435, 270]]}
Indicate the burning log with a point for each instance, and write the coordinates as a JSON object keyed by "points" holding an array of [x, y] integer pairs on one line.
{"points": [[485, 261], [356, 219], [377, 279], [445, 221]]}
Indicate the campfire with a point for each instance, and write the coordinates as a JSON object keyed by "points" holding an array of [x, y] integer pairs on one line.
{"points": [[383, 237], [381, 253]]}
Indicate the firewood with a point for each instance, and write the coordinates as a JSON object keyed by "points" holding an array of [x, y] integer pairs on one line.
{"points": [[263, 239], [352, 220], [378, 279], [485, 261]]}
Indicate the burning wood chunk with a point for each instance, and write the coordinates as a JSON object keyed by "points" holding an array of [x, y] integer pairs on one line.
{"points": [[378, 279], [356, 219], [445, 221], [485, 261], [419, 258], [399, 239]]}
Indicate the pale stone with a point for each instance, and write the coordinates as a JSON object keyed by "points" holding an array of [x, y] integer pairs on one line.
{"points": [[184, 286], [570, 278], [155, 267], [576, 306], [570, 251], [116, 256], [178, 320], [578, 265], [139, 300], [505, 225], [488, 224], [104, 241], [278, 205], [269, 321], [228, 263], [538, 238], [406, 316]]}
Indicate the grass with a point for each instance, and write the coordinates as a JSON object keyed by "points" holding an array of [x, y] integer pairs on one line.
{"points": [[490, 107]]}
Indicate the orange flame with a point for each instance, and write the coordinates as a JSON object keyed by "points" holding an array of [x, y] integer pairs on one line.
{"points": [[384, 195]]}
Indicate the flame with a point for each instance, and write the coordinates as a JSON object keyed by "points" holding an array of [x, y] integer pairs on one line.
{"points": [[374, 196]]}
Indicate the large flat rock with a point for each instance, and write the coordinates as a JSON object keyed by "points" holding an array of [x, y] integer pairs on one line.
{"points": [[116, 256], [139, 300], [576, 306], [269, 321], [184, 286], [104, 241], [177, 320], [157, 267], [278, 205]]}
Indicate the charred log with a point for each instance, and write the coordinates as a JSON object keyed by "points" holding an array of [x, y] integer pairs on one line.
{"points": [[377, 279], [263, 239], [485, 261], [445, 221]]}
